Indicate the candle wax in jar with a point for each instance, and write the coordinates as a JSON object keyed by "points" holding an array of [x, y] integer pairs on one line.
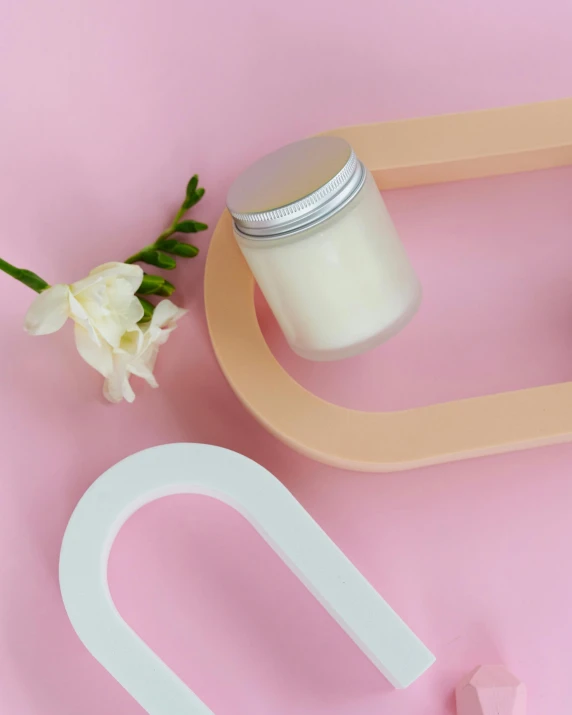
{"points": [[342, 286]]}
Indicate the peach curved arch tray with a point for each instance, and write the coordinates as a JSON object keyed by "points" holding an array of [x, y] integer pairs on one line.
{"points": [[399, 154]]}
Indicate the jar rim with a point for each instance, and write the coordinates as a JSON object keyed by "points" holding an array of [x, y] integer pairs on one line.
{"points": [[287, 165]]}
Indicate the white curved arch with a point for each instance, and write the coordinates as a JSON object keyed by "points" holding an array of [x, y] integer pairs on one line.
{"points": [[279, 519]]}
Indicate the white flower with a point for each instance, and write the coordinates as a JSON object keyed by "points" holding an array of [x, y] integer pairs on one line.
{"points": [[106, 313], [103, 304], [138, 350]]}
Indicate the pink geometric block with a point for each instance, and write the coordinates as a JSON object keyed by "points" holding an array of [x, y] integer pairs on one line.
{"points": [[491, 690]]}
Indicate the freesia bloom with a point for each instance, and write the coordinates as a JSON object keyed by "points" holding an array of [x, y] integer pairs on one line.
{"points": [[104, 304], [106, 313]]}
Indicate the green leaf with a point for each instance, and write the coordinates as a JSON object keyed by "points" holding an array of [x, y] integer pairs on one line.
{"points": [[192, 185], [193, 194], [155, 285], [148, 309], [26, 277], [32, 280], [158, 258], [178, 248], [167, 289], [168, 243], [190, 226], [193, 198], [151, 285]]}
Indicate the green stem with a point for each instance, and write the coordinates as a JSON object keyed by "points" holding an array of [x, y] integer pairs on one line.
{"points": [[26, 277], [166, 234], [8, 268], [171, 230], [136, 256]]}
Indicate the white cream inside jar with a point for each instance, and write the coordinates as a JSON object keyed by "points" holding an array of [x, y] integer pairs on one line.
{"points": [[321, 244]]}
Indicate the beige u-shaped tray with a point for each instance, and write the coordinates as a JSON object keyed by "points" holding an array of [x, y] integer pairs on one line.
{"points": [[399, 154]]}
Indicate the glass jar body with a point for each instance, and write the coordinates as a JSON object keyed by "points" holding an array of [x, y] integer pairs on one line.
{"points": [[339, 287]]}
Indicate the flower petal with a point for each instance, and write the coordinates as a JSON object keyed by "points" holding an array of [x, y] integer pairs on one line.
{"points": [[84, 284], [116, 387], [166, 312], [129, 271], [110, 330], [131, 342], [144, 368], [49, 311], [124, 393], [79, 315], [123, 303], [133, 274], [98, 355]]}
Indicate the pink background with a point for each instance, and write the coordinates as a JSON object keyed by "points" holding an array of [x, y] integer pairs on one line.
{"points": [[106, 108]]}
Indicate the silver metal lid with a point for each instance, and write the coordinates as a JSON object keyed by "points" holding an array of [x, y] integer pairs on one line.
{"points": [[295, 187]]}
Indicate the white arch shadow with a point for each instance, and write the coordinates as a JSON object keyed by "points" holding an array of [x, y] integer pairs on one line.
{"points": [[278, 518]]}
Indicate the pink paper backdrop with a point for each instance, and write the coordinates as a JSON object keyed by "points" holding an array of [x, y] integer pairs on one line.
{"points": [[106, 108]]}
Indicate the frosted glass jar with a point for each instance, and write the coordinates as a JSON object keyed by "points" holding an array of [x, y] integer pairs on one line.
{"points": [[319, 240]]}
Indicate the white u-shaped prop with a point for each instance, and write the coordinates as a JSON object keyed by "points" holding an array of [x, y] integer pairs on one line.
{"points": [[274, 513]]}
